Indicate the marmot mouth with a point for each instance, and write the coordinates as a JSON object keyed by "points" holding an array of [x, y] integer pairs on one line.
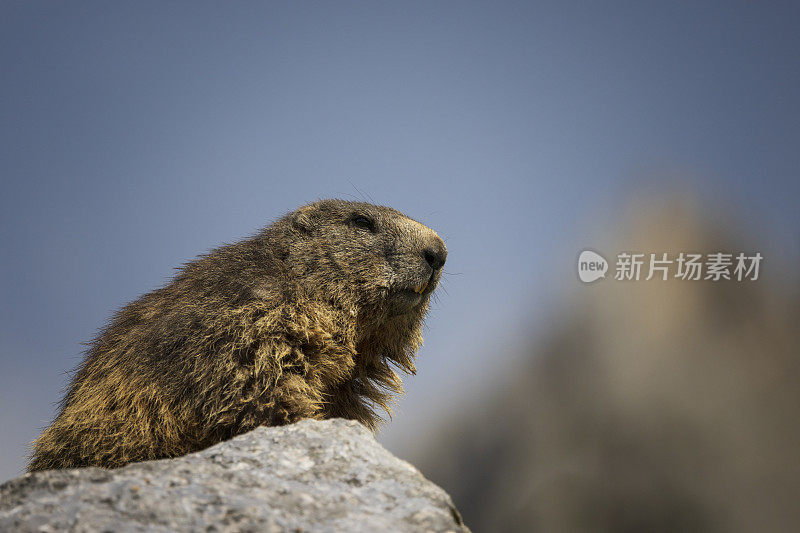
{"points": [[411, 294], [404, 301], [406, 298], [422, 288]]}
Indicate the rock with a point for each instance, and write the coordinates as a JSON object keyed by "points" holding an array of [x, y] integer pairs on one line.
{"points": [[311, 476]]}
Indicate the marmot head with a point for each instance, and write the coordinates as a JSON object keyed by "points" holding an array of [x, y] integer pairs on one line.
{"points": [[373, 259]]}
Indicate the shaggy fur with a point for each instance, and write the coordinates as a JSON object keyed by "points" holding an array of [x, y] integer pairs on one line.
{"points": [[301, 321]]}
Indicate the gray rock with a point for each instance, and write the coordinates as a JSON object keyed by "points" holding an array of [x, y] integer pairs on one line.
{"points": [[310, 476]]}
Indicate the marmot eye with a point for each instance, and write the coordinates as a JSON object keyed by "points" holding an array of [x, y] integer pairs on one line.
{"points": [[361, 221]]}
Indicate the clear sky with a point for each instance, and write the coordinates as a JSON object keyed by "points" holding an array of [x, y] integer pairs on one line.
{"points": [[134, 136]]}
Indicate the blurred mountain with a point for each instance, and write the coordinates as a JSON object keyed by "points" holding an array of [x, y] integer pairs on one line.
{"points": [[648, 406]]}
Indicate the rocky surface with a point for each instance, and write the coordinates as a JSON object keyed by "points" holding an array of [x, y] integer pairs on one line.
{"points": [[310, 476]]}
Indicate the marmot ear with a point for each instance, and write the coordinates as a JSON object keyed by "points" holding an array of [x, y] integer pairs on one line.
{"points": [[301, 220]]}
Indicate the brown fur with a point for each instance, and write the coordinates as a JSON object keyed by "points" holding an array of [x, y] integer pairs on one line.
{"points": [[301, 321]]}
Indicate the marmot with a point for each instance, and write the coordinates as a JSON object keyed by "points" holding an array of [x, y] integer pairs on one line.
{"points": [[303, 320]]}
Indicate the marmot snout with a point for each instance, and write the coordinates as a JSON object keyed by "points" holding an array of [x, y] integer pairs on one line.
{"points": [[304, 320]]}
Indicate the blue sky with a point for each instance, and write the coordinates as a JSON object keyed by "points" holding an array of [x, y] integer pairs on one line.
{"points": [[136, 136]]}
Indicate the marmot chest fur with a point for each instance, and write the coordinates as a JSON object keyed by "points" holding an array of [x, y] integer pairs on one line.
{"points": [[303, 320]]}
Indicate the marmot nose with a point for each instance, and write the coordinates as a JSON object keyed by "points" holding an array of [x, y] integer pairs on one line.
{"points": [[435, 256]]}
